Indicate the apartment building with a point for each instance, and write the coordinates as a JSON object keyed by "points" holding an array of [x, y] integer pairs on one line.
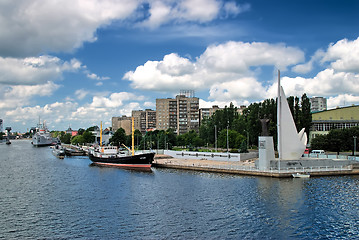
{"points": [[318, 104], [180, 113], [122, 122], [144, 120]]}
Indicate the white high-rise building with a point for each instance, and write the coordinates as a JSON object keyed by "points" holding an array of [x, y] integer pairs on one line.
{"points": [[318, 104]]}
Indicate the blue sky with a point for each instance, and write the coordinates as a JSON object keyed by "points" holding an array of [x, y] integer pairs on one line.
{"points": [[84, 61]]}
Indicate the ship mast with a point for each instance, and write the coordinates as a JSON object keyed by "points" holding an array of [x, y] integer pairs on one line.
{"points": [[133, 137], [279, 115], [101, 135]]}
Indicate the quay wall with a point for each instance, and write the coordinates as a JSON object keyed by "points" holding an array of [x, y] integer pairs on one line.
{"points": [[310, 162]]}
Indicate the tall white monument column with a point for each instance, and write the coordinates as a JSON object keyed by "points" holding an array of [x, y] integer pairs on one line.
{"points": [[266, 152]]}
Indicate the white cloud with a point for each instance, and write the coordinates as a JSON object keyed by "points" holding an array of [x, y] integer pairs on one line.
{"points": [[342, 100], [114, 100], [32, 27], [326, 83], [201, 11], [15, 96], [95, 77], [226, 69], [221, 104], [81, 93], [149, 104], [343, 55], [232, 9], [70, 112], [29, 28], [244, 88], [34, 70]]}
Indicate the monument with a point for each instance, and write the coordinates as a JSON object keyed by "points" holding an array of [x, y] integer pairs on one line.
{"points": [[291, 144]]}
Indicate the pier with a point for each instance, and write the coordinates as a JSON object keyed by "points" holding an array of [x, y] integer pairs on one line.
{"points": [[247, 167]]}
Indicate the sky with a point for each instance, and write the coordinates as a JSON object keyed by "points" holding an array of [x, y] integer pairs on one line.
{"points": [[78, 63]]}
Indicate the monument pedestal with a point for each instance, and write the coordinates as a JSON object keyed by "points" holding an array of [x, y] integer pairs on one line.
{"points": [[266, 152]]}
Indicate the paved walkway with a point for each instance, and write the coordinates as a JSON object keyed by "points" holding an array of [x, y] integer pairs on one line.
{"points": [[168, 160], [239, 167]]}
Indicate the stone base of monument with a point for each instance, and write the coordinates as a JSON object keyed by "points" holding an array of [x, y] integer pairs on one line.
{"points": [[266, 152]]}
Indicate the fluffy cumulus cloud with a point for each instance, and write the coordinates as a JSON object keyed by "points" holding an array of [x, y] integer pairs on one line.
{"points": [[29, 28], [34, 70], [162, 12], [53, 114], [225, 69], [102, 108], [230, 72], [20, 95], [338, 81], [32, 27], [342, 100], [343, 55]]}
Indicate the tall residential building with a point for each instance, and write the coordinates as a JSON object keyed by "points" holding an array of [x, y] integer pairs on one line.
{"points": [[207, 112], [144, 120], [122, 122], [318, 104], [180, 114]]}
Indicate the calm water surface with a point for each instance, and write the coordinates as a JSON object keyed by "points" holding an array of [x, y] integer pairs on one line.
{"points": [[42, 197]]}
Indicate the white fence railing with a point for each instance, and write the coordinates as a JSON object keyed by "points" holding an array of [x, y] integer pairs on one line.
{"points": [[332, 156]]}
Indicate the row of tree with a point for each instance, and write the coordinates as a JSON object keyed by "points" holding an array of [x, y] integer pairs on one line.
{"points": [[224, 128], [337, 140], [247, 127], [83, 136]]}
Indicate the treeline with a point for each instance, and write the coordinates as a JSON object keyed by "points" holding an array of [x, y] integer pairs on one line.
{"points": [[245, 128], [83, 136], [337, 140], [242, 129]]}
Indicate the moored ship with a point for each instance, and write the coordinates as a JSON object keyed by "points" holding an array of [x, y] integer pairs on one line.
{"points": [[42, 136], [111, 156]]}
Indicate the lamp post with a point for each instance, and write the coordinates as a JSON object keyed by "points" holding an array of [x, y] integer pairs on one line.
{"points": [[215, 137], [227, 141], [355, 144]]}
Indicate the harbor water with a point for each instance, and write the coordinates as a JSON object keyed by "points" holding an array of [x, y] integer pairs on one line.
{"points": [[43, 197]]}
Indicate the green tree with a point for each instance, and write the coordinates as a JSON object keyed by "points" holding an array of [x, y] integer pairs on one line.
{"points": [[80, 131], [305, 116], [66, 138], [119, 137], [88, 137], [77, 140]]}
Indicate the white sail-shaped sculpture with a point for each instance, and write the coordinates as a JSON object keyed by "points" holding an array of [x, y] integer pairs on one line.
{"points": [[291, 144]]}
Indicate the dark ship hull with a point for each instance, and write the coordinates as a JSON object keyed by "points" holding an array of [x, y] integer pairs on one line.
{"points": [[140, 161]]}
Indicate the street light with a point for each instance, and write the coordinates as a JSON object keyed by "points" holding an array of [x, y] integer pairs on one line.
{"points": [[215, 137], [227, 141], [355, 144]]}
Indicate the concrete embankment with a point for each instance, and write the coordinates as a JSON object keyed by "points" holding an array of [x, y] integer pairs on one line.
{"points": [[246, 167]]}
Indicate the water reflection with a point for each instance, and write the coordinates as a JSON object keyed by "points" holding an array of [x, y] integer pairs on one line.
{"points": [[44, 197]]}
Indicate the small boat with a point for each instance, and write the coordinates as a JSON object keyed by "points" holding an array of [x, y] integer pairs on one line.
{"points": [[58, 151], [301, 175], [111, 156], [74, 151]]}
